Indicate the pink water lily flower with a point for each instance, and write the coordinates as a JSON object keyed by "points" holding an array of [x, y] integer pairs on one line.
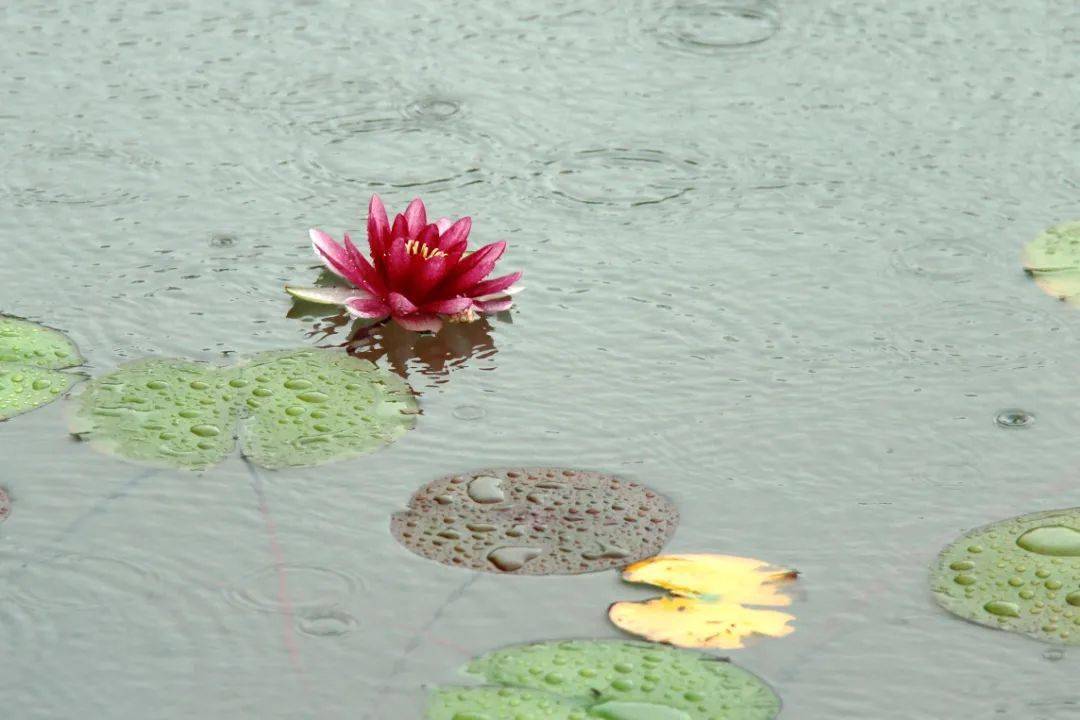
{"points": [[420, 273]]}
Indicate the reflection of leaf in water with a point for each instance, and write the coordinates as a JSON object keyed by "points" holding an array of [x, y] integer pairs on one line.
{"points": [[715, 601], [288, 408], [1053, 260], [31, 357]]}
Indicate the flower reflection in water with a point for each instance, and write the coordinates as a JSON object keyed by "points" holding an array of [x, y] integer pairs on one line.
{"points": [[405, 352]]}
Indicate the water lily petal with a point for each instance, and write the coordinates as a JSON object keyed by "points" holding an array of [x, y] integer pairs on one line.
{"points": [[428, 275], [333, 255], [398, 263], [416, 216], [368, 308], [512, 290], [443, 224], [448, 306], [326, 295], [496, 285], [400, 305], [493, 306], [378, 227], [371, 281], [455, 239], [400, 228], [473, 268], [420, 323]]}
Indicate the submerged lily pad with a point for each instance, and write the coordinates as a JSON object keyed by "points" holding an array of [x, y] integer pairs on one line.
{"points": [[535, 521], [31, 357], [611, 680], [5, 505], [718, 601], [1053, 260], [287, 408], [1020, 574]]}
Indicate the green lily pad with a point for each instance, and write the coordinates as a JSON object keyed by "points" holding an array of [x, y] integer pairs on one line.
{"points": [[287, 409], [31, 357], [1020, 575], [481, 703], [612, 680], [1053, 260]]}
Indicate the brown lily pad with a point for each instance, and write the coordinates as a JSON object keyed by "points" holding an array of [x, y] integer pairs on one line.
{"points": [[535, 521]]}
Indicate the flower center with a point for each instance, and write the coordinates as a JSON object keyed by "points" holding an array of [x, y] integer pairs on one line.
{"points": [[415, 247]]}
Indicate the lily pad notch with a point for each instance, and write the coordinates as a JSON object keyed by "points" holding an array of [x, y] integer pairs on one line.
{"points": [[286, 408], [32, 357]]}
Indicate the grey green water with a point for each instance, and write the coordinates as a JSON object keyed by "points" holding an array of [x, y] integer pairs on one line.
{"points": [[772, 258]]}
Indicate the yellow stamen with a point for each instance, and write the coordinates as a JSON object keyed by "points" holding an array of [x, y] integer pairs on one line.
{"points": [[415, 247]]}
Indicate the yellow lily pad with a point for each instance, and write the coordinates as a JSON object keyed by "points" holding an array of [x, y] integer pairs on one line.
{"points": [[1053, 261], [716, 601]]}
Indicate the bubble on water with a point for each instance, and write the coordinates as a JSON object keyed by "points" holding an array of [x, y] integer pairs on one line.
{"points": [[714, 27], [535, 521], [609, 680], [326, 622], [621, 176], [940, 259], [469, 412], [1014, 418], [222, 240], [1020, 574], [432, 109], [311, 590]]}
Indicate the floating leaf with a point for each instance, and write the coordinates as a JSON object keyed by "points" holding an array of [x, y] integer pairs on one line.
{"points": [[535, 521], [610, 680], [1053, 259], [1020, 574], [455, 703], [31, 357], [293, 408], [716, 605]]}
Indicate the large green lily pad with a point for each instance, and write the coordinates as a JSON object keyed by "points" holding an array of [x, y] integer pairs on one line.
{"points": [[31, 357], [1053, 260], [286, 409], [1020, 574], [608, 679]]}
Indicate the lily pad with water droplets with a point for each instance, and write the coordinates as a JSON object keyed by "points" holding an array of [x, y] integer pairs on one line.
{"points": [[718, 601], [535, 521], [609, 680], [1053, 260], [1020, 575], [287, 408], [31, 358], [455, 703]]}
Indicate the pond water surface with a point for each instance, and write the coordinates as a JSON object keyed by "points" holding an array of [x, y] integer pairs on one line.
{"points": [[771, 252]]}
